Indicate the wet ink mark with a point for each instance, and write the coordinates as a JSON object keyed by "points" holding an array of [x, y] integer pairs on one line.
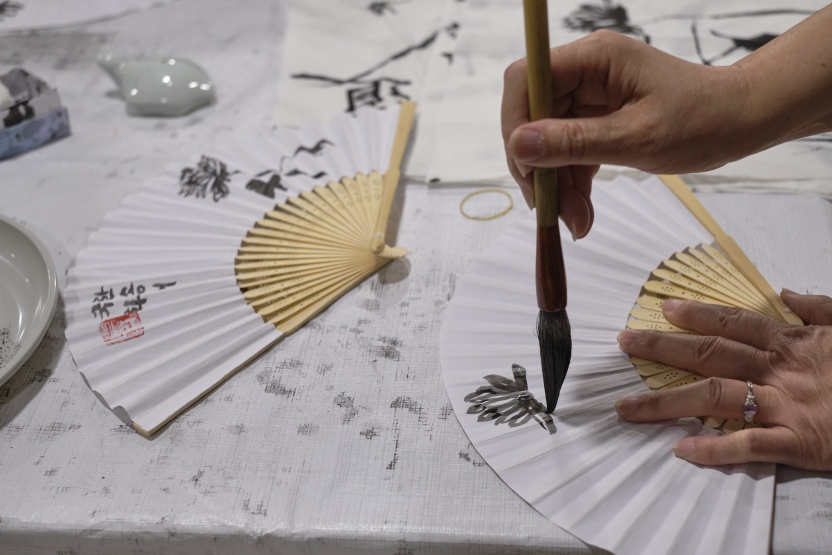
{"points": [[8, 347], [369, 433], [325, 368], [197, 477], [446, 410], [390, 349], [258, 511], [9, 8], [472, 457], [307, 429], [506, 401], [348, 404], [364, 90], [274, 386], [413, 407], [392, 464], [209, 175]]}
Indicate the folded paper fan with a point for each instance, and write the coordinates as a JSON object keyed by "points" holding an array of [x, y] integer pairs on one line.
{"points": [[613, 484], [200, 271]]}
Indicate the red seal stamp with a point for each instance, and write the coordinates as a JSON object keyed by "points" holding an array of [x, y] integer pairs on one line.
{"points": [[121, 328]]}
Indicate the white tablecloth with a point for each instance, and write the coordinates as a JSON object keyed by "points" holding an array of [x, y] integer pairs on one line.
{"points": [[339, 440]]}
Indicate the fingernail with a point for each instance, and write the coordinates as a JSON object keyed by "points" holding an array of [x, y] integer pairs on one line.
{"points": [[522, 168], [670, 305], [627, 338], [528, 196], [789, 292], [574, 230], [684, 449], [528, 145], [625, 405]]}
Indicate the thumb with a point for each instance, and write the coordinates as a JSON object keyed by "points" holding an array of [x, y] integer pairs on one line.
{"points": [[812, 309], [554, 143]]}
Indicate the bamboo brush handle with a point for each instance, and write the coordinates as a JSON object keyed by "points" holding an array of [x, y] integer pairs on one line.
{"points": [[550, 274]]}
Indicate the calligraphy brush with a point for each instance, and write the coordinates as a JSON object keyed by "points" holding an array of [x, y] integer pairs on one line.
{"points": [[553, 331]]}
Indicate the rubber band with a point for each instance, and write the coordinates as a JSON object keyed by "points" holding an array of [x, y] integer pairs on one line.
{"points": [[481, 192]]}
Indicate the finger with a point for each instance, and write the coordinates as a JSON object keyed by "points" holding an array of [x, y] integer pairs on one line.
{"points": [[554, 143], [514, 110], [777, 445], [708, 355], [812, 309], [731, 323], [526, 183], [717, 397], [574, 204]]}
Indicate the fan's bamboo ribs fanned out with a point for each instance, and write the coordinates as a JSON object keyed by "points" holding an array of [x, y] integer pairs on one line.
{"points": [[707, 274], [315, 247]]}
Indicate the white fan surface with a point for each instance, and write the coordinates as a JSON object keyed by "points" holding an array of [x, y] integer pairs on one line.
{"points": [[613, 484], [155, 316]]}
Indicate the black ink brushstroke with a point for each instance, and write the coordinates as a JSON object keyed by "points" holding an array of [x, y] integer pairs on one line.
{"points": [[357, 77], [209, 175], [275, 181], [506, 401], [379, 8], [314, 150], [748, 44], [593, 17], [266, 188], [9, 8], [369, 92]]}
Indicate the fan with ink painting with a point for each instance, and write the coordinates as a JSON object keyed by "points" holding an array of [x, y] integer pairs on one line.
{"points": [[209, 265], [613, 484]]}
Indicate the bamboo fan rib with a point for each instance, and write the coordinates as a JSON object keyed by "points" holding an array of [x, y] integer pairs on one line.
{"points": [[613, 484], [207, 266]]}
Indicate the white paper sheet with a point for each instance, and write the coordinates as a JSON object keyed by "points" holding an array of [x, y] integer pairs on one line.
{"points": [[468, 140], [611, 483], [342, 55], [18, 15]]}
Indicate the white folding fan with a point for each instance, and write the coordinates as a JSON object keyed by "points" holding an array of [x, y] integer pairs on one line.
{"points": [[200, 271], [611, 483]]}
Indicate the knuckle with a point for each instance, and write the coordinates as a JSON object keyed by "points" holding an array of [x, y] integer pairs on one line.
{"points": [[573, 141], [728, 318], [713, 391], [706, 347], [752, 442]]}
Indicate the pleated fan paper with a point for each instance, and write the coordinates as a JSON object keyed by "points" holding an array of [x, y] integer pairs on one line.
{"points": [[613, 484], [205, 267]]}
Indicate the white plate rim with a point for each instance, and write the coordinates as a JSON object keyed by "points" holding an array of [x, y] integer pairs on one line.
{"points": [[32, 339]]}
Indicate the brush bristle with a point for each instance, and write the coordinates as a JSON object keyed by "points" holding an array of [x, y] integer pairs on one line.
{"points": [[555, 338]]}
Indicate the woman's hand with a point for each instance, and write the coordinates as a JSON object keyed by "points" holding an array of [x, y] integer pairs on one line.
{"points": [[620, 101], [790, 367]]}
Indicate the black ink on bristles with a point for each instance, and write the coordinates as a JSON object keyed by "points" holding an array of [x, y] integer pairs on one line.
{"points": [[555, 337]]}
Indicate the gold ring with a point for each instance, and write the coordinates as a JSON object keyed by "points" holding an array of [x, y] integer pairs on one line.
{"points": [[486, 218]]}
